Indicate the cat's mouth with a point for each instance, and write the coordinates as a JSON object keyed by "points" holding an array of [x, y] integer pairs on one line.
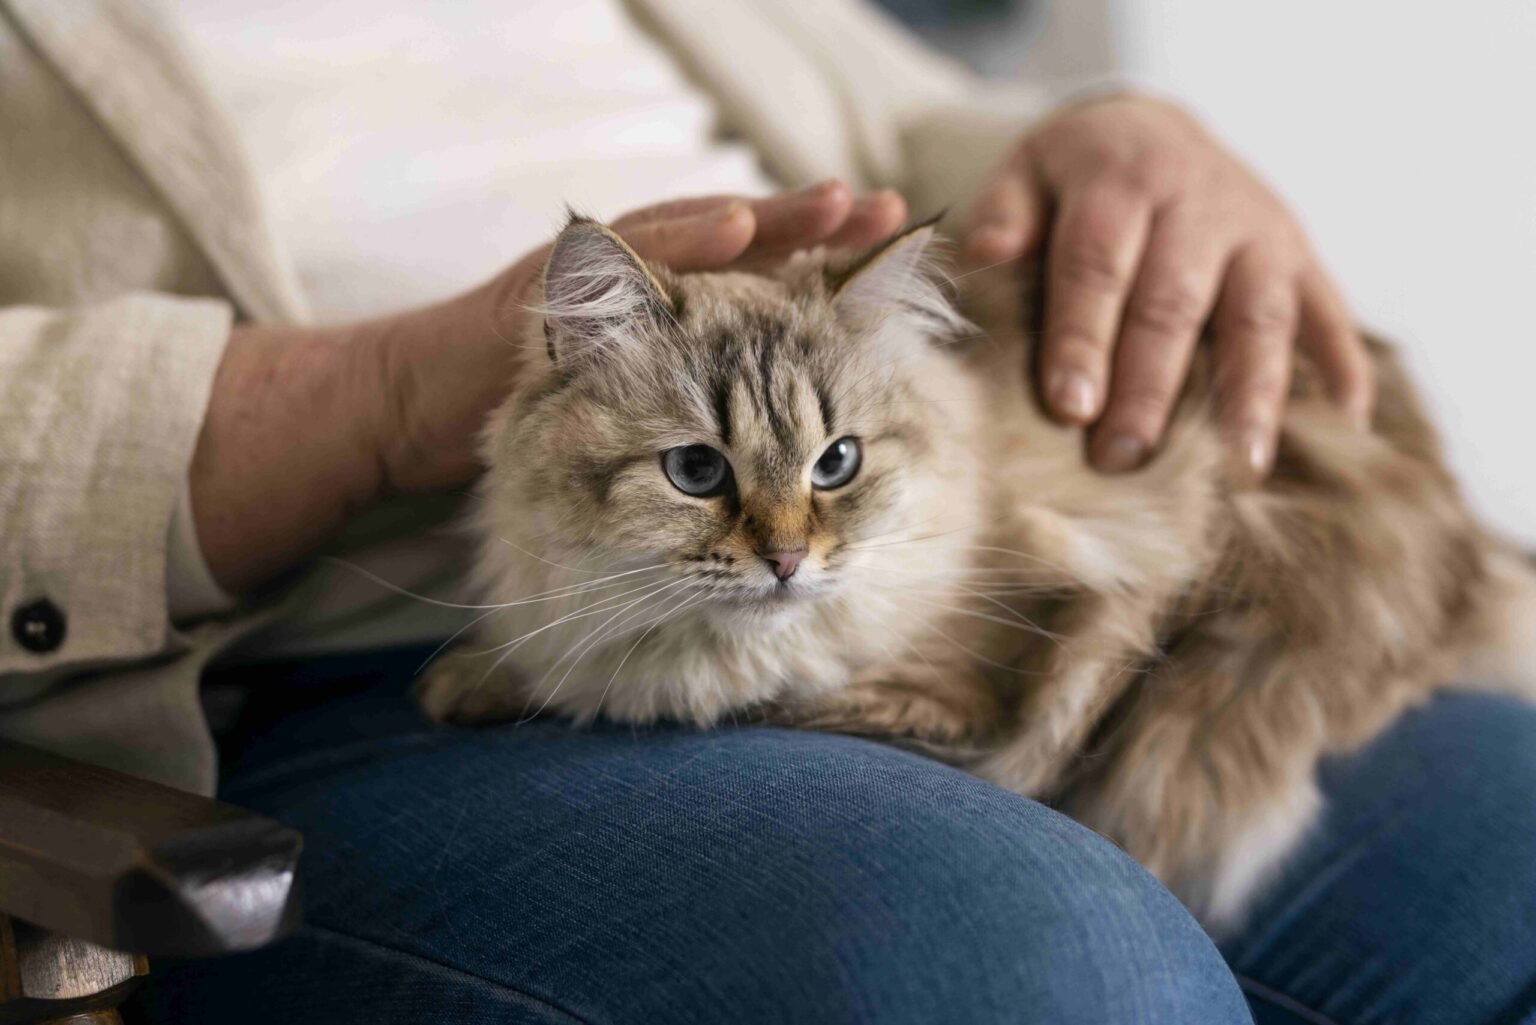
{"points": [[778, 596]]}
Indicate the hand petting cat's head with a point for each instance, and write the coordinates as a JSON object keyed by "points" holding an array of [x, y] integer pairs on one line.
{"points": [[758, 437]]}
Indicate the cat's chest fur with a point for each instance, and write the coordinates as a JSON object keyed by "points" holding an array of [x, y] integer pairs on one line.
{"points": [[643, 648]]}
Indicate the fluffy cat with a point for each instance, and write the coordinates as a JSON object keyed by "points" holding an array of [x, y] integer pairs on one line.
{"points": [[821, 497]]}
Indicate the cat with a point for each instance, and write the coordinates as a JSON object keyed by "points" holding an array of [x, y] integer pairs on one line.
{"points": [[819, 496]]}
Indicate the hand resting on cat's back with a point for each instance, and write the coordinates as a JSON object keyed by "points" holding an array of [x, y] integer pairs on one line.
{"points": [[826, 496]]}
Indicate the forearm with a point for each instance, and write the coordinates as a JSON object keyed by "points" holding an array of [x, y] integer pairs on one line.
{"points": [[286, 454]]}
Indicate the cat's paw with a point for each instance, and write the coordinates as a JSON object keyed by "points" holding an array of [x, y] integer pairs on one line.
{"points": [[463, 689], [886, 709]]}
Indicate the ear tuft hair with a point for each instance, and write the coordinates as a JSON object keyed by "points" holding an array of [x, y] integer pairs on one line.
{"points": [[898, 279], [597, 293]]}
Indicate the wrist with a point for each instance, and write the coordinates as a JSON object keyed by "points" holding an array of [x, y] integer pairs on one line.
{"points": [[284, 456], [436, 374]]}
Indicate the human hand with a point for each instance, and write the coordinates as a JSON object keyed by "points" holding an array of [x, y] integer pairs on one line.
{"points": [[447, 367], [1150, 230]]}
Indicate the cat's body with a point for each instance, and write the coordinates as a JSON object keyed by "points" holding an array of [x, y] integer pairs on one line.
{"points": [[1165, 655]]}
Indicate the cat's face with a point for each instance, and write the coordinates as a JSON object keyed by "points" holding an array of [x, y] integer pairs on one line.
{"points": [[757, 440]]}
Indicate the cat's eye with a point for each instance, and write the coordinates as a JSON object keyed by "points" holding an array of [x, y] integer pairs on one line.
{"points": [[696, 470], [837, 464]]}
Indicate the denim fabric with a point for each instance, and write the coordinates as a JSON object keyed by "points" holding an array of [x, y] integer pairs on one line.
{"points": [[1415, 900], [541, 874]]}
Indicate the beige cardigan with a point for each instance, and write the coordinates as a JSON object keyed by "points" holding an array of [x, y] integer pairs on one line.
{"points": [[132, 235]]}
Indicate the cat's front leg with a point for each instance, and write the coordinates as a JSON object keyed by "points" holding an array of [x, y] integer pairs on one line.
{"points": [[1094, 652], [465, 688], [934, 699]]}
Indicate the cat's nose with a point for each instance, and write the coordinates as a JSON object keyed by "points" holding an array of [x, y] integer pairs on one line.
{"points": [[783, 563]]}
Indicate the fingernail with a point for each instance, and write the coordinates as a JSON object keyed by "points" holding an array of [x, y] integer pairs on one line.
{"points": [[1254, 445], [990, 241], [1123, 452], [819, 188], [874, 199], [1072, 395], [729, 211]]}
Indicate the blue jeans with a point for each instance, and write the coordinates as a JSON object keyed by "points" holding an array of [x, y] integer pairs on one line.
{"points": [[541, 874]]}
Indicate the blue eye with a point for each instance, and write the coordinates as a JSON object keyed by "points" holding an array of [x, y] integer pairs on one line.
{"points": [[696, 470], [837, 465]]}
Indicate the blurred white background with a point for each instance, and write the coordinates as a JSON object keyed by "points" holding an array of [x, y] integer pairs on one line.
{"points": [[1403, 132]]}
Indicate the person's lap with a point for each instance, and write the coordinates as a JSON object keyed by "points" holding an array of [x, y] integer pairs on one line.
{"points": [[542, 874], [1415, 899]]}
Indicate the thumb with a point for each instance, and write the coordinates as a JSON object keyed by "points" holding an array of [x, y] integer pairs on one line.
{"points": [[1007, 218]]}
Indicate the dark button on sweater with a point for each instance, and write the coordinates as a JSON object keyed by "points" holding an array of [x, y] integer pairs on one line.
{"points": [[39, 626]]}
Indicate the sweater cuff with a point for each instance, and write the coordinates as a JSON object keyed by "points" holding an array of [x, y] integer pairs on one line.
{"points": [[100, 410]]}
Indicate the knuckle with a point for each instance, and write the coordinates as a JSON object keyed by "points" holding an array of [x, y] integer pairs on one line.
{"points": [[1074, 348], [1265, 387], [1268, 314], [1141, 408], [1071, 343], [1160, 172], [1089, 263], [1175, 307]]}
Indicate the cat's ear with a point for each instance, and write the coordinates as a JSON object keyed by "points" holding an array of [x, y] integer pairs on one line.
{"points": [[598, 294], [897, 280]]}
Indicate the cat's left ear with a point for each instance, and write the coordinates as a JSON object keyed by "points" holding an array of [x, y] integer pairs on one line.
{"points": [[897, 280]]}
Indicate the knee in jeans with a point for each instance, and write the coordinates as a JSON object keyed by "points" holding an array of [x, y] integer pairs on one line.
{"points": [[962, 902]]}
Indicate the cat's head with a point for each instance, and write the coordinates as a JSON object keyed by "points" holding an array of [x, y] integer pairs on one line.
{"points": [[761, 437]]}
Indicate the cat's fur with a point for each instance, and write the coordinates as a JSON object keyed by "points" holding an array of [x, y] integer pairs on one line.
{"points": [[1165, 654]]}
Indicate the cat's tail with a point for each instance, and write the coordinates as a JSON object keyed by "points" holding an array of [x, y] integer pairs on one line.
{"points": [[1503, 655]]}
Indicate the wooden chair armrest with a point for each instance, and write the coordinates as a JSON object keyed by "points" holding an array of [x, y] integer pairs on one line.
{"points": [[133, 865]]}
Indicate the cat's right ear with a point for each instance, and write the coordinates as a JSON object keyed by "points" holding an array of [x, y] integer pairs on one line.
{"points": [[894, 283], [598, 295]]}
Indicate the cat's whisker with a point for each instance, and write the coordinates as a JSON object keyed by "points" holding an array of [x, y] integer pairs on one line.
{"points": [[1023, 623], [558, 592], [1002, 605], [1032, 557], [547, 562], [593, 609], [927, 624], [989, 575], [900, 541], [590, 587], [895, 530], [453, 637], [592, 639], [956, 278], [511, 646], [919, 652], [689, 598]]}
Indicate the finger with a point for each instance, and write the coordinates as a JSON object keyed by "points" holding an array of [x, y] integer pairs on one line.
{"points": [[873, 219], [1328, 335], [798, 219], [676, 210], [783, 222], [1175, 289], [1007, 218], [693, 206], [1255, 336], [1095, 246], [701, 242]]}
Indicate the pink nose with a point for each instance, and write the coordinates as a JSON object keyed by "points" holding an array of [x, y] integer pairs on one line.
{"points": [[784, 563]]}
